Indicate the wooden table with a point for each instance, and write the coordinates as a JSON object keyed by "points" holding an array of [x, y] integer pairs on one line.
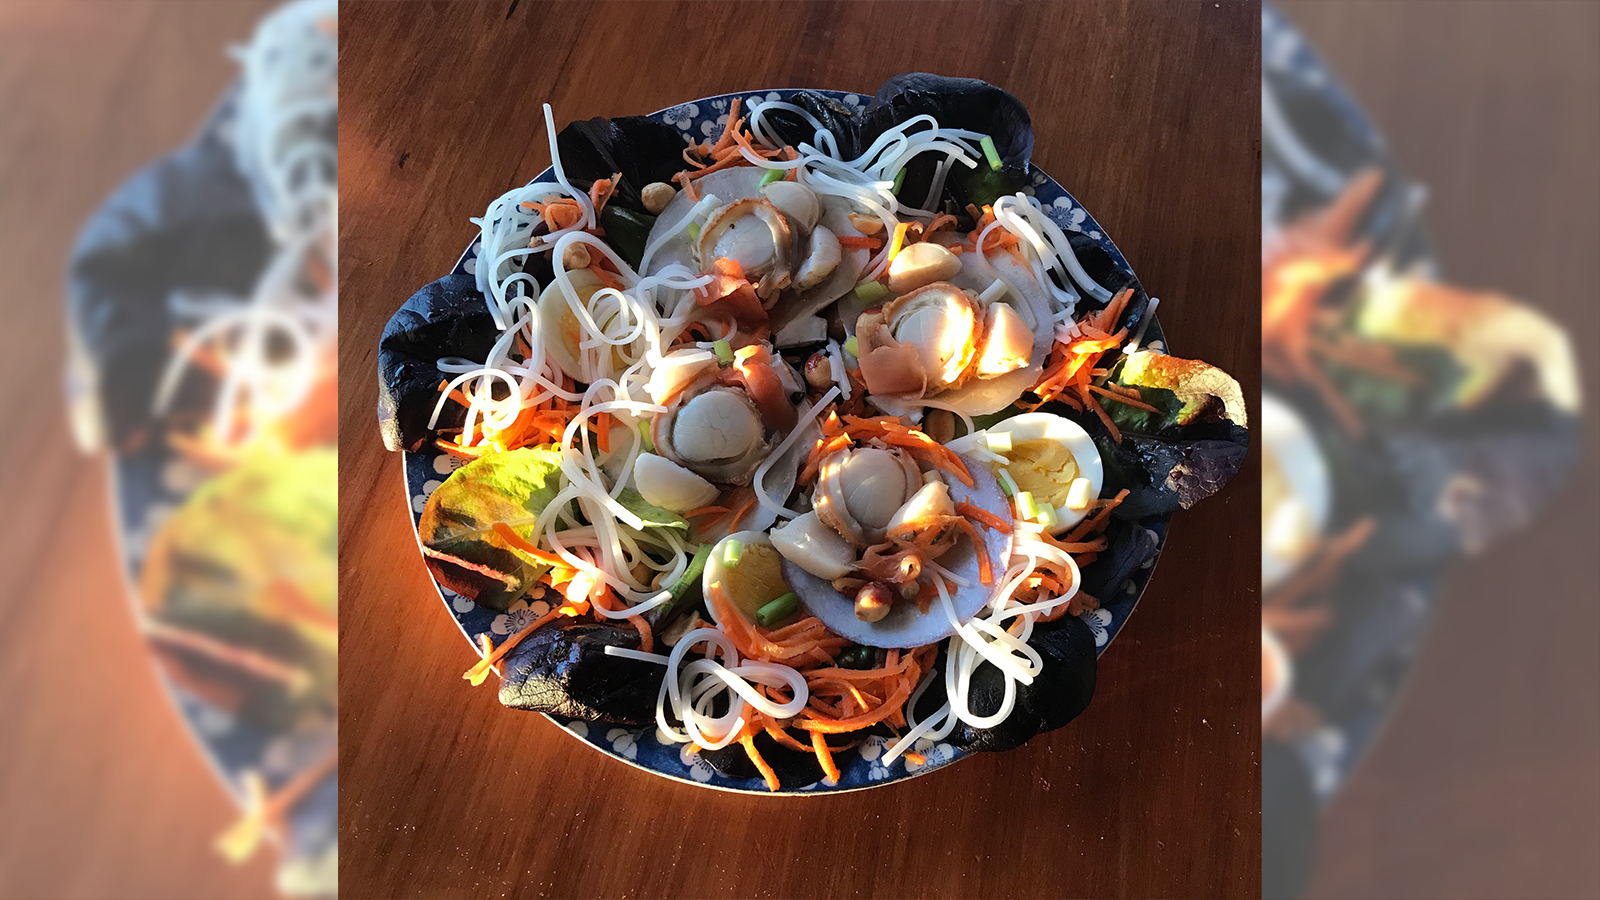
{"points": [[1147, 113], [1485, 783], [102, 791]]}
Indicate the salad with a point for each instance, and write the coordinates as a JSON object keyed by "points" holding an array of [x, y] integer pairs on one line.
{"points": [[205, 316], [817, 430]]}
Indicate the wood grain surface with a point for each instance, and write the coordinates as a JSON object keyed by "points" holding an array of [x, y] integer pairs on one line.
{"points": [[102, 791], [1148, 114], [1486, 782]]}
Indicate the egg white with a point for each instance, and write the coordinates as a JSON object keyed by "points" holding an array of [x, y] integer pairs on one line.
{"points": [[1047, 426], [1287, 443]]}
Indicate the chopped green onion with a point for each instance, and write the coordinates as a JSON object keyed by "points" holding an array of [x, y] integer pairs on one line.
{"points": [[1007, 485], [644, 431], [989, 153], [871, 291], [1047, 516], [694, 231], [731, 551], [773, 175], [999, 442], [900, 179], [778, 610], [1025, 505], [851, 346], [724, 352]]}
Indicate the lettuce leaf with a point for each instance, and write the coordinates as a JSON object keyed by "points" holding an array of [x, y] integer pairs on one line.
{"points": [[457, 532]]}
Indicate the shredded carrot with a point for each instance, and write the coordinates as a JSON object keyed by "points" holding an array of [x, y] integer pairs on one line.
{"points": [[938, 222], [899, 240], [864, 243], [913, 756], [705, 511], [647, 641], [1093, 523], [1121, 397], [985, 572], [739, 514], [819, 743], [983, 517], [601, 191], [859, 721], [750, 750], [481, 669], [510, 536]]}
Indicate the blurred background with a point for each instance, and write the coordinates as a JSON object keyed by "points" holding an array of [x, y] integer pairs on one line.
{"points": [[147, 737], [1444, 710]]}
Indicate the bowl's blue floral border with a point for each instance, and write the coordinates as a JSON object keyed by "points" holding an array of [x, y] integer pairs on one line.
{"points": [[643, 746]]}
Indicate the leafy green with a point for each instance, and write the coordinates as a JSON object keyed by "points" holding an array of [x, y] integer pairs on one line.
{"points": [[627, 232], [1132, 419], [457, 531], [1187, 391], [652, 516]]}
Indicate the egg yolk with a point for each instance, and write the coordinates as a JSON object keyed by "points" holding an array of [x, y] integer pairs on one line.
{"points": [[1286, 527], [1044, 468], [572, 330], [756, 580]]}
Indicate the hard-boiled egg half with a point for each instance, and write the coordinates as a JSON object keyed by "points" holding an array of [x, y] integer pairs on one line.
{"points": [[563, 332], [750, 573], [1052, 469], [1295, 491]]}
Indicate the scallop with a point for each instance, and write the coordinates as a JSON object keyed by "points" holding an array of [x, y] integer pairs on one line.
{"points": [[810, 544], [796, 201], [754, 234], [940, 320], [716, 433], [921, 264], [820, 261], [666, 484], [716, 425], [859, 491], [932, 500], [1007, 342]]}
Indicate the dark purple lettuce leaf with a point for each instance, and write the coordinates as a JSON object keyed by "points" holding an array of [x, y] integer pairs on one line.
{"points": [[447, 317], [643, 150], [792, 767], [1128, 546], [566, 672], [843, 122], [966, 103], [1164, 474], [1060, 693], [186, 223]]}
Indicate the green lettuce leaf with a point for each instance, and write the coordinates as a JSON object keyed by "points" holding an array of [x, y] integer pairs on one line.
{"points": [[652, 516], [457, 532]]}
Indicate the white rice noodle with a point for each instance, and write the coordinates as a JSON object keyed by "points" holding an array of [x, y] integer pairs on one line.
{"points": [[836, 368], [1144, 324], [762, 497], [1058, 240], [691, 689]]}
